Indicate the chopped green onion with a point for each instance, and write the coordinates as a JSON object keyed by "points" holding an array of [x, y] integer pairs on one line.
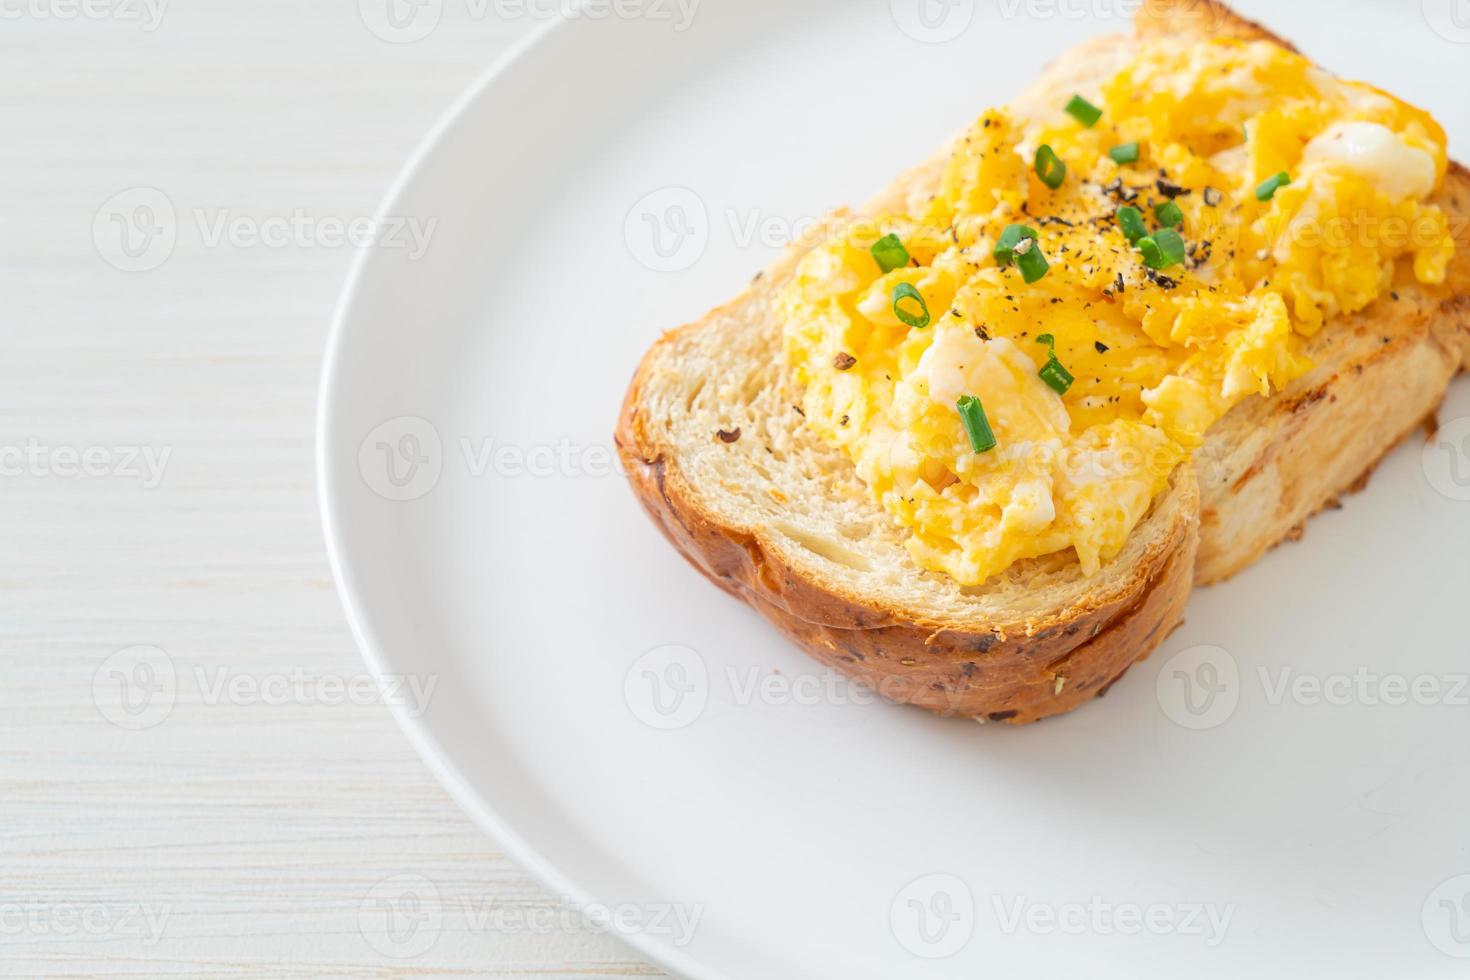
{"points": [[905, 291], [1162, 249], [1049, 167], [1031, 262], [1083, 111], [1130, 220], [890, 254], [1169, 214], [1268, 190], [1005, 246], [1126, 153], [977, 426], [1058, 378], [1018, 244]]}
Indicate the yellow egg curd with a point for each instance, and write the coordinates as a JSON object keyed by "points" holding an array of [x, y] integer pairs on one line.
{"points": [[1173, 239]]}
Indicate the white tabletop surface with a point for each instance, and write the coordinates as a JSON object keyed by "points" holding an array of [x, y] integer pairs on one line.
{"points": [[156, 459]]}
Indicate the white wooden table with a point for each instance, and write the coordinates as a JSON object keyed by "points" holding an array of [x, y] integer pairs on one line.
{"points": [[156, 452]]}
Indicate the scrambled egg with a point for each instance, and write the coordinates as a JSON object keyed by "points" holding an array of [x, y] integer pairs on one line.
{"points": [[1101, 360]]}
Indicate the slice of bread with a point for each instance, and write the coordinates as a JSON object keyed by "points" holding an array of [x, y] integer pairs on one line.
{"points": [[715, 449]]}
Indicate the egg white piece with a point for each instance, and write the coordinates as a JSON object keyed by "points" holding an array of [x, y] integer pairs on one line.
{"points": [[1377, 153], [959, 363]]}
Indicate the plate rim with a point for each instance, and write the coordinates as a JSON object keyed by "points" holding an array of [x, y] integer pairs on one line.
{"points": [[330, 434], [470, 801]]}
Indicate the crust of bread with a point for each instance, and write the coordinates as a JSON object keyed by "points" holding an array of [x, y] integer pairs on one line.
{"points": [[1019, 674], [1195, 19], [950, 671], [1263, 472]]}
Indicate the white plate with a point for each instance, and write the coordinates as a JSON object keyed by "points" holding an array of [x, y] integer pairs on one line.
{"points": [[819, 837]]}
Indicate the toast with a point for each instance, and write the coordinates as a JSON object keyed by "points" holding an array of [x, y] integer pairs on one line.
{"points": [[715, 449]]}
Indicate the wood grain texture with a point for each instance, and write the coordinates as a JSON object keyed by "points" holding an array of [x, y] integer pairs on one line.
{"points": [[249, 832]]}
